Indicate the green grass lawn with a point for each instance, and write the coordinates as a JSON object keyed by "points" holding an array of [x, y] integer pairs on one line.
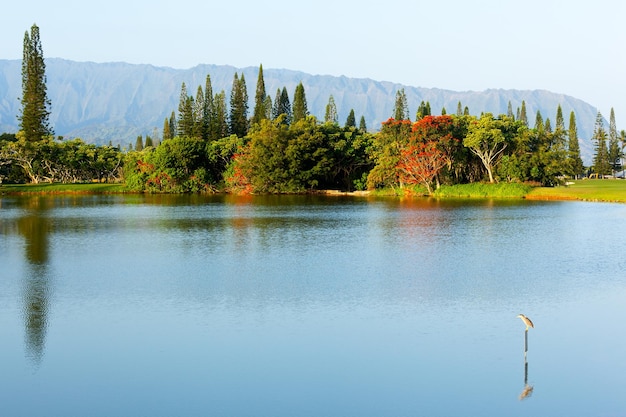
{"points": [[94, 188], [590, 190]]}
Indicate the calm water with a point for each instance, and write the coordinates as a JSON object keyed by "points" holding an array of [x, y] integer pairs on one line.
{"points": [[302, 306]]}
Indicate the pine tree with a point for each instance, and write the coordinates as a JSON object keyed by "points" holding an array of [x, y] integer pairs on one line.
{"points": [[149, 142], [300, 109], [267, 106], [523, 117], [282, 106], [362, 125], [575, 161], [509, 111], [198, 114], [259, 99], [539, 126], [35, 112], [239, 107], [614, 153], [139, 144], [459, 109], [601, 162], [208, 110], [560, 122], [331, 115], [167, 134], [401, 107], [173, 125], [351, 120], [443, 111], [185, 121], [219, 128]]}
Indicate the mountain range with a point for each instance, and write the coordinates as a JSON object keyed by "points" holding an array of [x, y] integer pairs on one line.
{"points": [[116, 102]]}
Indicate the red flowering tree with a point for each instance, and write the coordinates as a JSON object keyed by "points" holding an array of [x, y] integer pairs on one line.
{"points": [[420, 162], [429, 149]]}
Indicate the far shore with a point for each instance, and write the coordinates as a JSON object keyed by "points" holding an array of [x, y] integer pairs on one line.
{"points": [[580, 190]]}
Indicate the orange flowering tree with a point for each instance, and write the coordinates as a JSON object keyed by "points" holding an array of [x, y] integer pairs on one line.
{"points": [[429, 149]]}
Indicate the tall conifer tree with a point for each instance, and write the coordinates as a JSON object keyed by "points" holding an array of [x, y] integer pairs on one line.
{"points": [[614, 154], [331, 115], [351, 120], [300, 108], [601, 162], [35, 112], [239, 107], [401, 106], [573, 148], [259, 99], [523, 117]]}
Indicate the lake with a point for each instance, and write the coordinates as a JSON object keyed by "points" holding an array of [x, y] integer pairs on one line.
{"points": [[132, 305]]}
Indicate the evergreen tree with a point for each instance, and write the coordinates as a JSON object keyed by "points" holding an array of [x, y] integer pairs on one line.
{"points": [[185, 122], [208, 110], [574, 160], [423, 110], [35, 112], [219, 128], [362, 125], [466, 111], [401, 107], [547, 126], [351, 120], [239, 107], [198, 114], [260, 111], [331, 115], [149, 142], [614, 153], [523, 117], [459, 109], [300, 110], [601, 161], [539, 126], [282, 106], [167, 134], [267, 106], [560, 122], [173, 125], [443, 111], [139, 144], [509, 111]]}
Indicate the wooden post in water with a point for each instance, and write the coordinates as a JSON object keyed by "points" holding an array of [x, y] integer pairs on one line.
{"points": [[525, 343]]}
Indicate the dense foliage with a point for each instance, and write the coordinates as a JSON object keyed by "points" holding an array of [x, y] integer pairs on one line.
{"points": [[211, 146]]}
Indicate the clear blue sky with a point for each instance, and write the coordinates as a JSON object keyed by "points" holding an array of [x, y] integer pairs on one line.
{"points": [[571, 47]]}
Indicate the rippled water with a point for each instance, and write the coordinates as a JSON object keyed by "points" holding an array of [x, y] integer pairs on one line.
{"points": [[310, 306]]}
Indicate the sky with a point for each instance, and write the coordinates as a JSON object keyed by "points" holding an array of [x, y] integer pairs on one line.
{"points": [[571, 47]]}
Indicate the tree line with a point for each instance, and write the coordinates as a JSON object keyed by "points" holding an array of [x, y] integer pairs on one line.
{"points": [[209, 145]]}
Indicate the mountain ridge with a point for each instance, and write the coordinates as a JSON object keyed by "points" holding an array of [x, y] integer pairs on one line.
{"points": [[117, 101]]}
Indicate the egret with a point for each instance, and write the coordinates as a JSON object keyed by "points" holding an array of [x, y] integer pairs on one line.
{"points": [[526, 321]]}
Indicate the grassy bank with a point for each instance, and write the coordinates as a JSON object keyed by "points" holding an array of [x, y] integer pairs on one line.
{"points": [[482, 190], [587, 190], [91, 188]]}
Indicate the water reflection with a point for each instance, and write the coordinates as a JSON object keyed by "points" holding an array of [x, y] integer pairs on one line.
{"points": [[34, 226]]}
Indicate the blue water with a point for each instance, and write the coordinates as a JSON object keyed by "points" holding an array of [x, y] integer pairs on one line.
{"points": [[310, 306]]}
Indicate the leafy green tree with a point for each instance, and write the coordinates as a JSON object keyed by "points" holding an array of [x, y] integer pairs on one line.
{"points": [[385, 153], [239, 107], [401, 107], [331, 115], [488, 137], [575, 162], [35, 112], [351, 119], [300, 108], [260, 112]]}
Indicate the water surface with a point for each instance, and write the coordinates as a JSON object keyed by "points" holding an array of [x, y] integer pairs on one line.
{"points": [[310, 306]]}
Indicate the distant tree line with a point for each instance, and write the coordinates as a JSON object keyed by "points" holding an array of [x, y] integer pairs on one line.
{"points": [[210, 144]]}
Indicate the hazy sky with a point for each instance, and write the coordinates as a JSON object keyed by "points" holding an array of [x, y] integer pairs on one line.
{"points": [[571, 47]]}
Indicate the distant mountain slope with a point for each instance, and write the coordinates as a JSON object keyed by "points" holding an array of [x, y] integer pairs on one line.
{"points": [[102, 102]]}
